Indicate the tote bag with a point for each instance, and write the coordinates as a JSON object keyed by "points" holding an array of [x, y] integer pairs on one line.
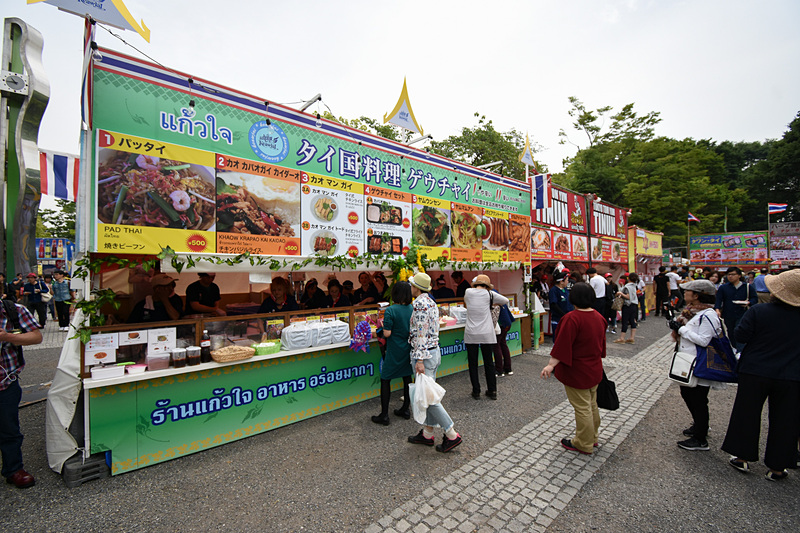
{"points": [[607, 394], [716, 362]]}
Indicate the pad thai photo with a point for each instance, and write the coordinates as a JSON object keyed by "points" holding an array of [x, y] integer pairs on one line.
{"points": [[142, 190]]}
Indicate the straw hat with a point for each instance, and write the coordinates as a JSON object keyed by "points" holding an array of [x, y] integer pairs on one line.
{"points": [[421, 281], [482, 279], [785, 286]]}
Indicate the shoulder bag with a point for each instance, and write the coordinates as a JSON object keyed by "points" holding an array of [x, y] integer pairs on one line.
{"points": [[716, 362], [682, 367], [607, 394], [495, 312]]}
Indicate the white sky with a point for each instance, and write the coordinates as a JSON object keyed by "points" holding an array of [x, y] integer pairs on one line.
{"points": [[719, 69]]}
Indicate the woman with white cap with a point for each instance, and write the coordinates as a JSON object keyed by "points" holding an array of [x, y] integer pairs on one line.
{"points": [[769, 368], [479, 332], [425, 359]]}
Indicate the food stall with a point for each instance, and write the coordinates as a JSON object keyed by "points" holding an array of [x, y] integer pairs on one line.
{"points": [[203, 178], [579, 232], [746, 250], [645, 256]]}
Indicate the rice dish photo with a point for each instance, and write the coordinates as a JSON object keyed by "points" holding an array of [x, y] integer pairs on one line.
{"points": [[249, 204], [541, 240], [141, 190], [324, 208], [324, 243]]}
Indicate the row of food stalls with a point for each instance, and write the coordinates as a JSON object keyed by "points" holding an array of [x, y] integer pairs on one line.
{"points": [[777, 248], [232, 184]]}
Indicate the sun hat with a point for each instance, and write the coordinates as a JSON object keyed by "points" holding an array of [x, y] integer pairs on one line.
{"points": [[161, 279], [421, 281], [482, 279], [785, 286], [700, 286]]}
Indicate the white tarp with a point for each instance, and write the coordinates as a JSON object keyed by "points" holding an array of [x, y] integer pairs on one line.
{"points": [[62, 401]]}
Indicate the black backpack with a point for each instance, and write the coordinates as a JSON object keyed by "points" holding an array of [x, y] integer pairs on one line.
{"points": [[13, 316]]}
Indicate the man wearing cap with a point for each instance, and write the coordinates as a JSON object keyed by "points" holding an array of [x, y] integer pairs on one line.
{"points": [[426, 357], [11, 364], [762, 292], [733, 300], [62, 297], [164, 305], [559, 300], [203, 296], [769, 369], [442, 290], [33, 290]]}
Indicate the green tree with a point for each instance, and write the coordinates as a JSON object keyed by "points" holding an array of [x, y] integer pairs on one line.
{"points": [[370, 125], [483, 144], [59, 223]]}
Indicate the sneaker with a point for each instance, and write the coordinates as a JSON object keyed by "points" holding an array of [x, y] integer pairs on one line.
{"points": [[476, 395], [419, 438], [694, 445], [500, 375], [448, 444], [739, 465], [567, 443], [689, 432], [777, 476], [614, 331], [509, 373]]}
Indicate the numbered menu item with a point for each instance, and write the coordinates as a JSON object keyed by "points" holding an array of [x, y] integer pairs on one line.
{"points": [[332, 213], [388, 215], [579, 246], [497, 234], [468, 230], [431, 226], [256, 205], [145, 190]]}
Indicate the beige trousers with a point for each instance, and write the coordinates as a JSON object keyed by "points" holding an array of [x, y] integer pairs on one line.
{"points": [[587, 417]]}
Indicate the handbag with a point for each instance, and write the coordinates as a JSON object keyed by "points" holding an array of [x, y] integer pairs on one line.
{"points": [[494, 310], [716, 362], [607, 394], [682, 368], [616, 305]]}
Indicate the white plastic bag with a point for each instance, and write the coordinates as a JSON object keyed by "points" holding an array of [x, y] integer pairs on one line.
{"points": [[424, 392]]}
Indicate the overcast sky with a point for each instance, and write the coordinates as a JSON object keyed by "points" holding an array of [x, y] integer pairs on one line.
{"points": [[718, 69]]}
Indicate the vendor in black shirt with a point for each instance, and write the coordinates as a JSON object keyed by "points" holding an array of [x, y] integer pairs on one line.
{"points": [[442, 290], [203, 296], [461, 284], [280, 299], [335, 296], [164, 305], [312, 297], [367, 293]]}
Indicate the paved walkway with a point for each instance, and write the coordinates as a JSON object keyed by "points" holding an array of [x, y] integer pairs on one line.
{"points": [[525, 481]]}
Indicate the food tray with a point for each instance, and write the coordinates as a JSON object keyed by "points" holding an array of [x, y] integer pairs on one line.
{"points": [[266, 348], [232, 353]]}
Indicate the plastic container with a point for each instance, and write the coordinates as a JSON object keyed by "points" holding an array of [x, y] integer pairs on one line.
{"points": [[268, 347], [157, 361], [106, 372], [135, 369], [193, 355], [179, 357]]}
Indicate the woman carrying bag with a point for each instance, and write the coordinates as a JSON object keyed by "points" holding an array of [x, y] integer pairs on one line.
{"points": [[698, 323], [479, 332]]}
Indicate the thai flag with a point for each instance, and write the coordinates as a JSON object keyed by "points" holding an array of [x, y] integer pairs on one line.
{"points": [[774, 209], [540, 189], [59, 174], [693, 218]]}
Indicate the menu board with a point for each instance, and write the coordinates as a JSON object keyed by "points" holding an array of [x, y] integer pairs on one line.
{"points": [[332, 212], [729, 248], [208, 169], [609, 251], [784, 241], [388, 221]]}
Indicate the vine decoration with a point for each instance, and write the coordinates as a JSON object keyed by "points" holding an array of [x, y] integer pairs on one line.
{"points": [[402, 268]]}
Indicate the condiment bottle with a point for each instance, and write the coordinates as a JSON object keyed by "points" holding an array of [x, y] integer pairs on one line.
{"points": [[205, 348]]}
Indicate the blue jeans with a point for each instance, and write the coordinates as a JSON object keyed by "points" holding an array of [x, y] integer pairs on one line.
{"points": [[10, 435], [436, 414]]}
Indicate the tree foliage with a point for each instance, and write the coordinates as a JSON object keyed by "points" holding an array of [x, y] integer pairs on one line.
{"points": [[58, 223], [370, 125]]}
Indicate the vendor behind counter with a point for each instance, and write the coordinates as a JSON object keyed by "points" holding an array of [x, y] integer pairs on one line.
{"points": [[203, 296], [163, 305]]}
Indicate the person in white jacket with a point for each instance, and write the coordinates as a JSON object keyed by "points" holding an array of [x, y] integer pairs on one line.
{"points": [[700, 325], [479, 332]]}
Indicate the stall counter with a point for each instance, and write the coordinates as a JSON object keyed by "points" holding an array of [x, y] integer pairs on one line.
{"points": [[144, 419]]}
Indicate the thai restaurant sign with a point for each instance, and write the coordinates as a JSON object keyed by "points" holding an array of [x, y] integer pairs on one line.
{"points": [[784, 241], [729, 248], [559, 231], [206, 169], [609, 221]]}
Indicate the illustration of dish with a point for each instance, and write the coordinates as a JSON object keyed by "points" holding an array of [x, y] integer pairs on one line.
{"points": [[324, 242], [100, 355], [615, 252], [324, 208], [133, 335]]}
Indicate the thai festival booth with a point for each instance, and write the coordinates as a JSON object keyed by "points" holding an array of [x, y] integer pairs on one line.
{"points": [[195, 177], [579, 232], [746, 250], [645, 256], [784, 245]]}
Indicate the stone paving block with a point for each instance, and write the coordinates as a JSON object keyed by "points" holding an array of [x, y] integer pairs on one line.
{"points": [[402, 526], [558, 505], [425, 509], [398, 513], [541, 503], [544, 520], [374, 528], [432, 520], [414, 518], [466, 527], [496, 523], [496, 503], [421, 528], [386, 521]]}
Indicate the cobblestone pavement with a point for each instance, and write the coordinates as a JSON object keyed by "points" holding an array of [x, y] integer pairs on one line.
{"points": [[524, 482]]}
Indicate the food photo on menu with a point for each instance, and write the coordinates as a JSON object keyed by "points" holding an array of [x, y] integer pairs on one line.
{"points": [[431, 226], [385, 243], [597, 249], [468, 230], [142, 190], [256, 205], [540, 240], [561, 243], [384, 213], [497, 233], [520, 237], [616, 252]]}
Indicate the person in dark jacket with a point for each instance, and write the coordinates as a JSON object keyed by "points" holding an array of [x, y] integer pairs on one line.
{"points": [[280, 299], [312, 297], [661, 286], [442, 290], [611, 314], [335, 296], [560, 304], [502, 355], [33, 290], [733, 300], [461, 284], [769, 368]]}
